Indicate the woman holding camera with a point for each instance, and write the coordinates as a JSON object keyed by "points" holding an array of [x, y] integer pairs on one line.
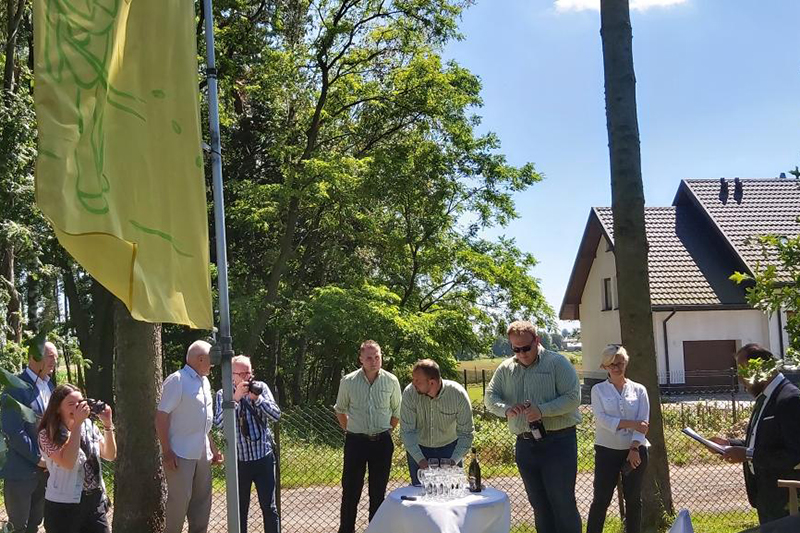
{"points": [[621, 411], [72, 445]]}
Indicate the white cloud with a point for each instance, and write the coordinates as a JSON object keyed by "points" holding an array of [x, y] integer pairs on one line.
{"points": [[594, 5]]}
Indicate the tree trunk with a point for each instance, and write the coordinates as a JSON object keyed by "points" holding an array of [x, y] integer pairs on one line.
{"points": [[299, 370], [100, 374], [14, 11], [8, 277], [139, 491], [273, 282], [32, 303], [95, 331], [67, 362], [630, 245]]}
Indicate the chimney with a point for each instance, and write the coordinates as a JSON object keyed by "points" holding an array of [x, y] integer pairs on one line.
{"points": [[783, 175], [723, 191], [737, 190]]}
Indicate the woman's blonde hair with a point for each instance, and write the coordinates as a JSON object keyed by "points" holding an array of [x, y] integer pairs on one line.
{"points": [[611, 352]]}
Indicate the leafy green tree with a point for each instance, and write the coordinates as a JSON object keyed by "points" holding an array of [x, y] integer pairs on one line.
{"points": [[557, 341], [352, 163], [547, 341]]}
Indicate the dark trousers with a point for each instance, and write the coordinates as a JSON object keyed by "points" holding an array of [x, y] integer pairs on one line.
{"points": [[442, 452], [262, 473], [548, 469], [608, 464], [24, 500], [360, 452], [772, 503], [88, 516]]}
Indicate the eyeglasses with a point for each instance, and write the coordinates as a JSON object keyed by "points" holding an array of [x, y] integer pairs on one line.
{"points": [[616, 365], [242, 373], [521, 349]]}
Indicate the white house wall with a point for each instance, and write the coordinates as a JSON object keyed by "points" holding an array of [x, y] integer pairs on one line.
{"points": [[744, 327], [598, 328], [775, 331]]}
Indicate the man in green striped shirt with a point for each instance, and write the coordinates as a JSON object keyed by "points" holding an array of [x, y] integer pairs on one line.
{"points": [[540, 386], [368, 408], [435, 418]]}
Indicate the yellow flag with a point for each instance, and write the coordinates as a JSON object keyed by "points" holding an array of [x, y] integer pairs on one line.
{"points": [[120, 167]]}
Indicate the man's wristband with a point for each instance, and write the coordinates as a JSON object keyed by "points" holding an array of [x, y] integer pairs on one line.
{"points": [[634, 449]]}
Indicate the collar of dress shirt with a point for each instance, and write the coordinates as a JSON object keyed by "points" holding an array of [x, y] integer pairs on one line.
{"points": [[35, 377], [192, 372], [772, 386]]}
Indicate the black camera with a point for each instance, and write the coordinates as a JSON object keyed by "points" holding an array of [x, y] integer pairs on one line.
{"points": [[255, 388], [96, 407]]}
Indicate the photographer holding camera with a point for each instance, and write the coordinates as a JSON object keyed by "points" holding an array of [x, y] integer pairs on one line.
{"points": [[255, 407], [72, 446]]}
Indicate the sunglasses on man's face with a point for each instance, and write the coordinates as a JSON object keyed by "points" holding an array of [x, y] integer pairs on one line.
{"points": [[521, 349]]}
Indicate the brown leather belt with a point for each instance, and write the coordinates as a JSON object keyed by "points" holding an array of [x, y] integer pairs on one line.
{"points": [[365, 436]]}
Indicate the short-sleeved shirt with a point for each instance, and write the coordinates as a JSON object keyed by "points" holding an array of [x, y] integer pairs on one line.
{"points": [[89, 432], [436, 422], [186, 397], [550, 383], [369, 406]]}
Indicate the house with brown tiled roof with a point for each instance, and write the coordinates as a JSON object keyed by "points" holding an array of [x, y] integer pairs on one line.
{"points": [[700, 316]]}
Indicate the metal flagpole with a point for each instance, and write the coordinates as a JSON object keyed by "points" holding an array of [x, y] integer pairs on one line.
{"points": [[224, 339]]}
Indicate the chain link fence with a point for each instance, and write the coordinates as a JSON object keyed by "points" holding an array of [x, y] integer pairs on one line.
{"points": [[310, 447], [311, 453]]}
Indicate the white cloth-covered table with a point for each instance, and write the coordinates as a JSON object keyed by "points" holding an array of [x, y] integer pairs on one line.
{"points": [[488, 511]]}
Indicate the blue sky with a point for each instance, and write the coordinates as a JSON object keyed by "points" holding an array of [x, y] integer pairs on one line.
{"points": [[717, 90]]}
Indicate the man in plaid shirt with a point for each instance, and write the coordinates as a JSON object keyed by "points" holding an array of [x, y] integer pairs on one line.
{"points": [[253, 442]]}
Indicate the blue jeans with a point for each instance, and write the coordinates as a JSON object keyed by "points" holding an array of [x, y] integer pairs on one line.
{"points": [[548, 469], [442, 452]]}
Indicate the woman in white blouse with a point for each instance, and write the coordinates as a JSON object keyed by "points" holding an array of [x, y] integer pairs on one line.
{"points": [[621, 412]]}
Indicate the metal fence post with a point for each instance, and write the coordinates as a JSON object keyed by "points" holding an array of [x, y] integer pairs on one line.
{"points": [[465, 378], [483, 378], [277, 454]]}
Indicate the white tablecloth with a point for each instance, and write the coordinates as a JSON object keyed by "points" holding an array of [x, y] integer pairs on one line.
{"points": [[488, 511]]}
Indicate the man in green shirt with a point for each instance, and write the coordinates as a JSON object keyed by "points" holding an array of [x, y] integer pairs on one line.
{"points": [[540, 386], [435, 418], [368, 408]]}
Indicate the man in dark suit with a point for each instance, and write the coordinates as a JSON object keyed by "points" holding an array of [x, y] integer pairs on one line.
{"points": [[24, 473], [771, 449]]}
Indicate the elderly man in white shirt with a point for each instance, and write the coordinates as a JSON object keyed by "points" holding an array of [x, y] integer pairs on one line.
{"points": [[183, 421], [622, 412]]}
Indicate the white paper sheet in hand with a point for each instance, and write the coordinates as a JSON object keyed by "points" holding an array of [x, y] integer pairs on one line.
{"points": [[702, 440]]}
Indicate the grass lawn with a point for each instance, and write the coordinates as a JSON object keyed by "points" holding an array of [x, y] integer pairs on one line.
{"points": [[475, 391], [480, 364], [728, 522]]}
